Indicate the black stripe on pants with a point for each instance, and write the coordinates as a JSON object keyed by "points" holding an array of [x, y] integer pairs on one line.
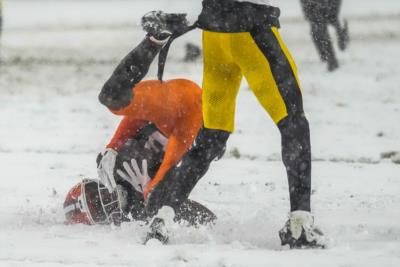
{"points": [[294, 129]]}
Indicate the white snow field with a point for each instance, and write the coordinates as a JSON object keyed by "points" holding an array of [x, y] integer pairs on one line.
{"points": [[57, 54]]}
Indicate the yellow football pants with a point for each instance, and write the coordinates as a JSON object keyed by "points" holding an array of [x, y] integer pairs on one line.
{"points": [[263, 60]]}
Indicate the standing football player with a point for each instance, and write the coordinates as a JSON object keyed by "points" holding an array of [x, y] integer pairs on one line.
{"points": [[241, 38]]}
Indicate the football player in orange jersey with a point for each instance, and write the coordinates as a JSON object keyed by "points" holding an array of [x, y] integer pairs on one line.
{"points": [[90, 202], [160, 123], [175, 109]]}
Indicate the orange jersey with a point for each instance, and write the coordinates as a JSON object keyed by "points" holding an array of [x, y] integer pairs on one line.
{"points": [[174, 106]]}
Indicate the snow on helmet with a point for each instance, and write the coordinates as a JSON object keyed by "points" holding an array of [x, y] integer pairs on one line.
{"points": [[90, 202]]}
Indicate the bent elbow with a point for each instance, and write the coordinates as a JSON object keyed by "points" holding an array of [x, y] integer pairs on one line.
{"points": [[115, 96]]}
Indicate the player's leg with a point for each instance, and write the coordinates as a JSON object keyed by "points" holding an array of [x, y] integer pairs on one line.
{"points": [[332, 8], [342, 30], [179, 182], [221, 83], [277, 76], [323, 43], [173, 191], [275, 83]]}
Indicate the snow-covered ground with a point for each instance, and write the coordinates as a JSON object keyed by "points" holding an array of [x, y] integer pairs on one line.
{"points": [[55, 57]]}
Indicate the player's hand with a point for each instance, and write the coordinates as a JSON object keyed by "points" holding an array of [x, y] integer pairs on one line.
{"points": [[105, 169], [133, 175]]}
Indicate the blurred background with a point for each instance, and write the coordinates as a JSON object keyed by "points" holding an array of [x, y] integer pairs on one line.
{"points": [[54, 47]]}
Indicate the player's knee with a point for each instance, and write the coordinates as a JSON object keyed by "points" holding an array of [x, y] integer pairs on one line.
{"points": [[211, 143], [294, 125]]}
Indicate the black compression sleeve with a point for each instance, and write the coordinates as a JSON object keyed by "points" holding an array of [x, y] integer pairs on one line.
{"points": [[117, 91]]}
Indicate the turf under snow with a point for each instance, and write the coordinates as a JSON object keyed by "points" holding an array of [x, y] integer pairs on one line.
{"points": [[57, 54]]}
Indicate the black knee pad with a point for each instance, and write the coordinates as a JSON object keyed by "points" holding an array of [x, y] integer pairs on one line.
{"points": [[211, 144], [294, 125]]}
